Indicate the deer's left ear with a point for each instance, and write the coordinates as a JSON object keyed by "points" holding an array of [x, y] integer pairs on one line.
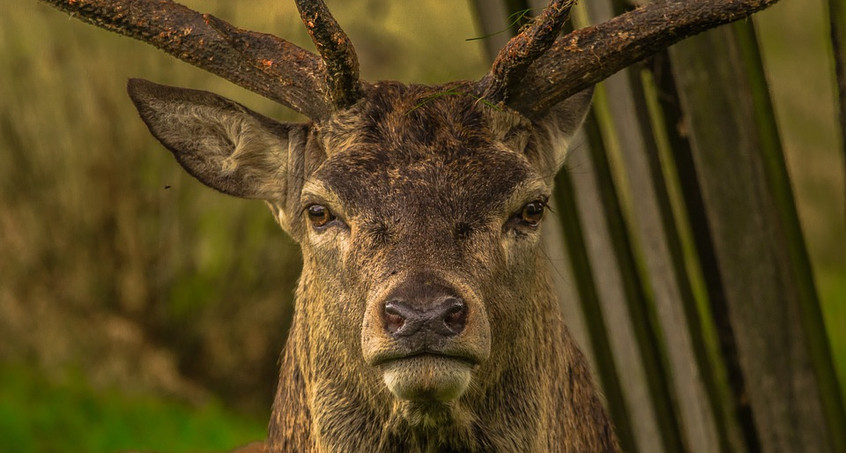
{"points": [[220, 142], [554, 131]]}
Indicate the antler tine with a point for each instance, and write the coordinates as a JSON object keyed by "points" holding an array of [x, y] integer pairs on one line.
{"points": [[589, 55], [513, 60], [338, 54]]}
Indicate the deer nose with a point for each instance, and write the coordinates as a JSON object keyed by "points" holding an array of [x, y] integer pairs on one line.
{"points": [[445, 318]]}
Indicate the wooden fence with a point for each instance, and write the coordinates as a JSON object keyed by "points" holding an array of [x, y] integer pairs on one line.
{"points": [[681, 265]]}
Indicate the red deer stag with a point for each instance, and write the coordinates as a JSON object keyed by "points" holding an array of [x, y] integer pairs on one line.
{"points": [[425, 319]]}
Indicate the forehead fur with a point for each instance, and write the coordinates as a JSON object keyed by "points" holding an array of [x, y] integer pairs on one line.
{"points": [[437, 147]]}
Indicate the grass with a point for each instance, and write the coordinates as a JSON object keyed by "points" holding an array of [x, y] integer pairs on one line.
{"points": [[40, 415]]}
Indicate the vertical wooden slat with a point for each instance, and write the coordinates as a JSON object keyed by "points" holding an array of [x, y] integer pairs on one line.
{"points": [[610, 286], [587, 305], [694, 378], [734, 413], [659, 281], [799, 263], [655, 234], [759, 252], [721, 377], [654, 228]]}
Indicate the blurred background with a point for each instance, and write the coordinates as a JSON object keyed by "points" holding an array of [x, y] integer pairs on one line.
{"points": [[141, 310]]}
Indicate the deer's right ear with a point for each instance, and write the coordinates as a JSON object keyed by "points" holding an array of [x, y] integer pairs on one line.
{"points": [[223, 144], [558, 125]]}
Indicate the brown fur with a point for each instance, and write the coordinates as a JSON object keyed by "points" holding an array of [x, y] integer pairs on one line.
{"points": [[423, 181]]}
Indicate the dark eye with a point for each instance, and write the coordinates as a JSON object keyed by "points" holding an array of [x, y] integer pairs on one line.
{"points": [[532, 213], [319, 215]]}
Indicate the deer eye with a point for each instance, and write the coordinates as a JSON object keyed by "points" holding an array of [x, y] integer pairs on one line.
{"points": [[319, 215], [532, 213]]}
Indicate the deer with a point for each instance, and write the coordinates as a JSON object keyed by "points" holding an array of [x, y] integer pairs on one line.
{"points": [[425, 318]]}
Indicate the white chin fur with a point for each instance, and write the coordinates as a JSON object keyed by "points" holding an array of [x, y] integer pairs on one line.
{"points": [[427, 378]]}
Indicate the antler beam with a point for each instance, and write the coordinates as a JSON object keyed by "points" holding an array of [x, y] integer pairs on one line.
{"points": [[590, 55], [262, 63]]}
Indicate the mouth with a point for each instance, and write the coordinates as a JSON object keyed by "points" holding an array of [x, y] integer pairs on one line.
{"points": [[427, 376], [388, 357]]}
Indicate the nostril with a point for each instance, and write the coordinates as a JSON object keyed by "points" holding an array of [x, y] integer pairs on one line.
{"points": [[392, 314], [444, 319], [454, 315]]}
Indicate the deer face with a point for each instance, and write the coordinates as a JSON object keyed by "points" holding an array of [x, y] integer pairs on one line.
{"points": [[418, 214], [430, 221]]}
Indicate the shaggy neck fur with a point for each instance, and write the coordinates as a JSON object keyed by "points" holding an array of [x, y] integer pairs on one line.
{"points": [[541, 398]]}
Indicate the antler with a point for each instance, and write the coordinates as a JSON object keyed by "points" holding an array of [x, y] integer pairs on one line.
{"points": [[532, 73], [259, 62], [512, 62], [336, 49], [589, 55]]}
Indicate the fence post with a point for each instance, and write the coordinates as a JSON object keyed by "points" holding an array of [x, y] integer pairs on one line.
{"points": [[761, 262]]}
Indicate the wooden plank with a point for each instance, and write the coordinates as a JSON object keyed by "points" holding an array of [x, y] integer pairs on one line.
{"points": [[612, 298], [733, 414], [657, 239], [655, 233], [764, 273], [621, 128], [588, 304]]}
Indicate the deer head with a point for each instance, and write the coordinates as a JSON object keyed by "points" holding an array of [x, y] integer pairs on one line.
{"points": [[424, 318]]}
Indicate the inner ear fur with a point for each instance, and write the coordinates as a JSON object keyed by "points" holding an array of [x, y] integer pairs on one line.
{"points": [[544, 139], [556, 128], [223, 144]]}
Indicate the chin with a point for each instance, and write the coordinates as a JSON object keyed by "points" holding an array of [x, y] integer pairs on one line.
{"points": [[427, 386]]}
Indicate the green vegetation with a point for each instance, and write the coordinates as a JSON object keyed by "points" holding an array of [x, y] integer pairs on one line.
{"points": [[38, 415]]}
